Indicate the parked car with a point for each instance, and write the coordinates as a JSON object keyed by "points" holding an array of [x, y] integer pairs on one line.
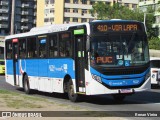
{"points": [[155, 70], [2, 67]]}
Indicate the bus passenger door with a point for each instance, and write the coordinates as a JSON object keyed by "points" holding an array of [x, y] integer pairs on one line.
{"points": [[15, 61], [80, 63]]}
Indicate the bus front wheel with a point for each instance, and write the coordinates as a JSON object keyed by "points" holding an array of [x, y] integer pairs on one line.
{"points": [[71, 93], [26, 85]]}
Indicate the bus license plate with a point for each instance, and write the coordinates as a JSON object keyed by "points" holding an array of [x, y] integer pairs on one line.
{"points": [[125, 90]]}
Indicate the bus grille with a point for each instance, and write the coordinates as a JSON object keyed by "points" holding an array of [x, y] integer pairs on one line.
{"points": [[123, 72]]}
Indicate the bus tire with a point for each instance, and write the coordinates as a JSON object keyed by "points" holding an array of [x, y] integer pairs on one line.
{"points": [[26, 85], [71, 93], [119, 98]]}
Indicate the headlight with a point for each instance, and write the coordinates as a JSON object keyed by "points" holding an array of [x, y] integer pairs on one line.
{"points": [[153, 76], [97, 78]]}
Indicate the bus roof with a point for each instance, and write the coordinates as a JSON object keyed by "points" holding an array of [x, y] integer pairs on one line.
{"points": [[115, 20], [44, 30], [59, 27]]}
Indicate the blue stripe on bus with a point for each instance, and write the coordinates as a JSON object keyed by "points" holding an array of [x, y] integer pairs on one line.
{"points": [[121, 80], [55, 68]]}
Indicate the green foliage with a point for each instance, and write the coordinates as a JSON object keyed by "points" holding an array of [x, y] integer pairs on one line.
{"points": [[154, 43], [99, 10]]}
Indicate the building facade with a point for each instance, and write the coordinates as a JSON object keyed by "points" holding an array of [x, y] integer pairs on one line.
{"points": [[71, 11], [5, 10], [63, 11], [155, 4], [24, 16]]}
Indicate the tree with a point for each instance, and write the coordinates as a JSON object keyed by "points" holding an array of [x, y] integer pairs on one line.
{"points": [[98, 10]]}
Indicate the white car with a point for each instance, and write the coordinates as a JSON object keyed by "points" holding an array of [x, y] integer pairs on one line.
{"points": [[155, 70]]}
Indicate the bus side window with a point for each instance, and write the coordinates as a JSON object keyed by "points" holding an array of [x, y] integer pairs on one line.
{"points": [[65, 44], [22, 48], [42, 47], [53, 46], [31, 47], [9, 50]]}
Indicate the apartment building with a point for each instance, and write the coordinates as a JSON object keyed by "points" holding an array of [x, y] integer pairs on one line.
{"points": [[24, 16], [71, 11], [63, 11], [132, 4], [5, 9], [155, 4]]}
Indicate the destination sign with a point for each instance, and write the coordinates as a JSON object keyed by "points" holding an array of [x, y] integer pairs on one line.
{"points": [[116, 27]]}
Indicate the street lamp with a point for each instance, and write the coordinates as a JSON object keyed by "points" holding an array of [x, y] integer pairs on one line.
{"points": [[12, 17]]}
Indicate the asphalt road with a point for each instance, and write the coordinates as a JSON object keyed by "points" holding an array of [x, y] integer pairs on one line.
{"points": [[144, 101]]}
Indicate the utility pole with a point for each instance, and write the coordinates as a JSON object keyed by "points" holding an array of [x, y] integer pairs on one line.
{"points": [[12, 17]]}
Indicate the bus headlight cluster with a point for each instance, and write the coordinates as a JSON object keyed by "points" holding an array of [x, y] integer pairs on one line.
{"points": [[97, 78], [153, 76]]}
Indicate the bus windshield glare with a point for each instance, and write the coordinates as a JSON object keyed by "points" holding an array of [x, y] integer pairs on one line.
{"points": [[115, 50]]}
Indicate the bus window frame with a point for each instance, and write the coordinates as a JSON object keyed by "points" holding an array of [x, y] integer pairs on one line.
{"points": [[72, 44], [48, 46], [6, 50], [27, 47], [38, 46], [19, 40]]}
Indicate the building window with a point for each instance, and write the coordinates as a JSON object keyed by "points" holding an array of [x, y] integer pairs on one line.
{"points": [[75, 10], [92, 2], [84, 20], [46, 11], [66, 20], [51, 19], [75, 1], [46, 20], [51, 10], [84, 1], [84, 11], [75, 19], [46, 2], [66, 10], [51, 1], [126, 4], [134, 6], [67, 1]]}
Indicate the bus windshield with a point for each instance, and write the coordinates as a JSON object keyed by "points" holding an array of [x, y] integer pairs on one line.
{"points": [[115, 50]]}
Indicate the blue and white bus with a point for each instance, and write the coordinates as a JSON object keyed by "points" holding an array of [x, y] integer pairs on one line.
{"points": [[96, 58]]}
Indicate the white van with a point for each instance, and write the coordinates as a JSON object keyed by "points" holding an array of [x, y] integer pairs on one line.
{"points": [[155, 70]]}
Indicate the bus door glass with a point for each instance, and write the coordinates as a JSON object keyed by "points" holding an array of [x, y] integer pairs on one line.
{"points": [[80, 61], [15, 61]]}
